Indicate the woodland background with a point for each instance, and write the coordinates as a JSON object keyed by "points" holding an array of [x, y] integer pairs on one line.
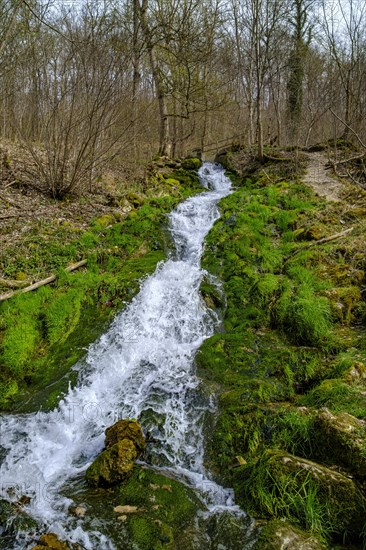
{"points": [[85, 85]]}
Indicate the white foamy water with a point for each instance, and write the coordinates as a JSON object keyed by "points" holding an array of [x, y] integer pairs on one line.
{"points": [[141, 368]]}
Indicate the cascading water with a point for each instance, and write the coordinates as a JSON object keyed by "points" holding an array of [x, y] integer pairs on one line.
{"points": [[141, 368]]}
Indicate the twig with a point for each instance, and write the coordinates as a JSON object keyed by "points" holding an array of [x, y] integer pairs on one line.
{"points": [[18, 215], [34, 286], [9, 201], [320, 241], [10, 184]]}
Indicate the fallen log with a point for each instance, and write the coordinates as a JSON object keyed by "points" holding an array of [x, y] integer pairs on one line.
{"points": [[38, 284]]}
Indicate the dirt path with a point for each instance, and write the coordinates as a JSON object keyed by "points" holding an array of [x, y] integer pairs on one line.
{"points": [[320, 180]]}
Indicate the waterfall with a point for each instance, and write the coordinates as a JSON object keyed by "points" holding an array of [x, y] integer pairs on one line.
{"points": [[142, 368]]}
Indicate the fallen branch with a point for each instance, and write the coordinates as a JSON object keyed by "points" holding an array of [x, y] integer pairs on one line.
{"points": [[18, 215], [333, 164], [10, 283], [277, 159], [47, 281], [320, 241]]}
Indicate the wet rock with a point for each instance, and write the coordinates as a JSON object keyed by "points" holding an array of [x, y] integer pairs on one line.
{"points": [[148, 510], [124, 443], [77, 511], [281, 535], [229, 530], [52, 542], [342, 439]]}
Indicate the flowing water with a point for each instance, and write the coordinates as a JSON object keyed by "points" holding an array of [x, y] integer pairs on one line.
{"points": [[143, 368]]}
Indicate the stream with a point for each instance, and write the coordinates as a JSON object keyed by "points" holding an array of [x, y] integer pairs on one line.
{"points": [[142, 368]]}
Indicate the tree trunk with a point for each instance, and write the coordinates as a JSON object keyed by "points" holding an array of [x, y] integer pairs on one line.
{"points": [[164, 141]]}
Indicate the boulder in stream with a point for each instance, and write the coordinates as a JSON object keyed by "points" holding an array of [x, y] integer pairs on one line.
{"points": [[52, 542], [124, 443]]}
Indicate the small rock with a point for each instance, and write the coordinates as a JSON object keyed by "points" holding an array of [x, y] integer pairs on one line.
{"points": [[24, 500], [122, 518], [167, 488], [126, 509], [78, 511]]}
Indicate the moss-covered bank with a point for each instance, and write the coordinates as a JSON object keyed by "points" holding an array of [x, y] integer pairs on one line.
{"points": [[292, 342], [44, 333]]}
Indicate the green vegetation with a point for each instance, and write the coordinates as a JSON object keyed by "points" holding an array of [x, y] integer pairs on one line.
{"points": [[291, 343], [38, 340]]}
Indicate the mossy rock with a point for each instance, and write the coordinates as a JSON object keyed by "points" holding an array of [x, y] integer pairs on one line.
{"points": [[125, 429], [105, 221], [279, 534], [135, 199], [356, 374], [191, 163], [52, 542], [342, 439], [320, 499], [112, 465], [124, 444], [212, 295], [172, 182], [346, 303], [313, 233]]}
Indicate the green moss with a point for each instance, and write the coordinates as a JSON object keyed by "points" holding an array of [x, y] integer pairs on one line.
{"points": [[305, 316], [279, 340], [279, 533], [191, 163], [62, 315], [19, 344], [337, 396]]}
